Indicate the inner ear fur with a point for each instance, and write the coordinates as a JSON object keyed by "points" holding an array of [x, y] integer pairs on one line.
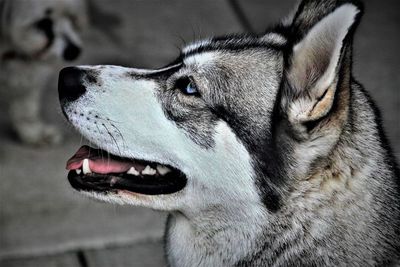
{"points": [[315, 64]]}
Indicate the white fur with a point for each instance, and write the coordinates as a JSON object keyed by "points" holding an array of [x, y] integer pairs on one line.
{"points": [[220, 179], [274, 38], [336, 211], [325, 39], [146, 133], [195, 46], [201, 59], [234, 235], [330, 31]]}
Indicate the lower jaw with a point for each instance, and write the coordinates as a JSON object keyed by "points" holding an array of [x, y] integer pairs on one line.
{"points": [[147, 185]]}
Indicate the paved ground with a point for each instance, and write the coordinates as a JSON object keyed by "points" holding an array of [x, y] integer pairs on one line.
{"points": [[44, 223]]}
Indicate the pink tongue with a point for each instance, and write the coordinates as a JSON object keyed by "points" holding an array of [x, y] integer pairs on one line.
{"points": [[99, 161]]}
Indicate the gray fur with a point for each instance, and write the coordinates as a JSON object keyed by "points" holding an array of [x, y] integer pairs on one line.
{"points": [[307, 179]]}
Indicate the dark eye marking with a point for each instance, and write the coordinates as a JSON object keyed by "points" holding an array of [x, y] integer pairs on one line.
{"points": [[187, 86], [46, 25]]}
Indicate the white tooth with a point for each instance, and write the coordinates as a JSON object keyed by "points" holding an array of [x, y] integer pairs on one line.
{"points": [[113, 181], [85, 167], [78, 171], [133, 171], [163, 170], [149, 171]]}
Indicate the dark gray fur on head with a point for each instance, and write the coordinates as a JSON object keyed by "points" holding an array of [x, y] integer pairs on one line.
{"points": [[284, 153]]}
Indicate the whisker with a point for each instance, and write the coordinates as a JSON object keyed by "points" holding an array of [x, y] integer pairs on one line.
{"points": [[120, 134], [112, 137], [108, 120], [101, 150]]}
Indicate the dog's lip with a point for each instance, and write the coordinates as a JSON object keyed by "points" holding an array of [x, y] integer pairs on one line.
{"points": [[108, 172], [171, 183]]}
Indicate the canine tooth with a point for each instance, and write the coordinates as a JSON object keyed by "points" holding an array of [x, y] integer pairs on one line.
{"points": [[149, 171], [85, 167], [133, 171], [163, 170], [78, 171]]}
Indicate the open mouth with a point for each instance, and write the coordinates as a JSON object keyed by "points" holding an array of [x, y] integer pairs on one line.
{"points": [[97, 170]]}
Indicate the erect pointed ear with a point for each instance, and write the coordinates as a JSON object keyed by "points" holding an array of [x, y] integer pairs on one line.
{"points": [[319, 58]]}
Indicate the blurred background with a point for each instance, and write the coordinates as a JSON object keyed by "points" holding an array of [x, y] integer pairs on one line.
{"points": [[44, 223]]}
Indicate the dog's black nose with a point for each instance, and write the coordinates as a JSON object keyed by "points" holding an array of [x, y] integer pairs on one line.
{"points": [[70, 84], [71, 52]]}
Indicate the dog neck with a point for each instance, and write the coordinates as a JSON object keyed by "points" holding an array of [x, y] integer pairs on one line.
{"points": [[210, 237], [317, 208]]}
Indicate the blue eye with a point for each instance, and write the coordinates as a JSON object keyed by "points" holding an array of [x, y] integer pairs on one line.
{"points": [[190, 89], [186, 86]]}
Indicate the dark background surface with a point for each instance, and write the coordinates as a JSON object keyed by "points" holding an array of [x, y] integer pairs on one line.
{"points": [[44, 223]]}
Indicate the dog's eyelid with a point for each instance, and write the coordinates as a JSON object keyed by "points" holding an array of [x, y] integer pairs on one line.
{"points": [[187, 82]]}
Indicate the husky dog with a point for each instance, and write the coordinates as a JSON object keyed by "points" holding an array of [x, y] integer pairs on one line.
{"points": [[35, 36], [264, 150]]}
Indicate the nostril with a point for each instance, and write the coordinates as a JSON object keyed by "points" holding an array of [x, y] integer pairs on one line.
{"points": [[71, 52], [70, 84]]}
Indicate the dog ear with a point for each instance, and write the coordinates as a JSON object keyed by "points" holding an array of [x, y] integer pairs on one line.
{"points": [[319, 62]]}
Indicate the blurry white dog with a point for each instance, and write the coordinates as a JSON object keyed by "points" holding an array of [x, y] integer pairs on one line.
{"points": [[36, 36]]}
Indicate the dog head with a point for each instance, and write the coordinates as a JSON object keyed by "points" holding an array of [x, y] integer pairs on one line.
{"points": [[43, 29], [232, 122]]}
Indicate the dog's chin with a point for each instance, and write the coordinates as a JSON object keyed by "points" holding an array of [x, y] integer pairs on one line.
{"points": [[116, 174]]}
